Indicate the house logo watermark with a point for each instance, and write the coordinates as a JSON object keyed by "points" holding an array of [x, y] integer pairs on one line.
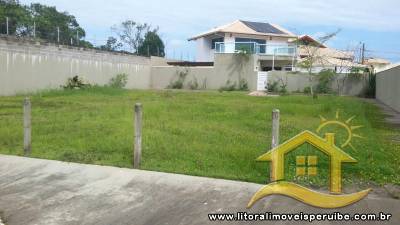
{"points": [[307, 165]]}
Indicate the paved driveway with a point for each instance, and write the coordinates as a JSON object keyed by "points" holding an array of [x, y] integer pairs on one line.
{"points": [[35, 191]]}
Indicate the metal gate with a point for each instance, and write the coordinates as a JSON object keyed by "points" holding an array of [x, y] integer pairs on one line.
{"points": [[262, 80]]}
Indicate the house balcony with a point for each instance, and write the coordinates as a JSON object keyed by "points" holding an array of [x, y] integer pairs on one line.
{"points": [[287, 50]]}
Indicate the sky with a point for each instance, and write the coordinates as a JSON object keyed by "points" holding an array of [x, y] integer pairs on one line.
{"points": [[375, 23]]}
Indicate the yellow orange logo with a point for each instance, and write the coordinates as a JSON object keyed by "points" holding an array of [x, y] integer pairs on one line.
{"points": [[326, 144]]}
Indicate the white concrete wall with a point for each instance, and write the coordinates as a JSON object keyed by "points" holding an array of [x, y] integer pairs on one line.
{"points": [[204, 53], [388, 87], [26, 67], [296, 82]]}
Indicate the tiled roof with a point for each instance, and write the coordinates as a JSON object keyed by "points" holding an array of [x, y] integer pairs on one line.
{"points": [[250, 28]]}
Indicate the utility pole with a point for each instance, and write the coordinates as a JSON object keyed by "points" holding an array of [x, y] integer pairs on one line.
{"points": [[363, 53], [7, 25]]}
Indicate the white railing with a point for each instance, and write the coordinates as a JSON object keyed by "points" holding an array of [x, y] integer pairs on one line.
{"points": [[256, 48]]}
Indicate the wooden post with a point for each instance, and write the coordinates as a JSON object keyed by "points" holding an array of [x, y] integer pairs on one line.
{"points": [[275, 139], [27, 127], [137, 151], [275, 128]]}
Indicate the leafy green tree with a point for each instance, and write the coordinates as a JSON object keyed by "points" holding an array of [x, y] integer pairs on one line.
{"points": [[313, 56], [152, 45], [48, 19], [131, 33], [111, 45], [18, 18]]}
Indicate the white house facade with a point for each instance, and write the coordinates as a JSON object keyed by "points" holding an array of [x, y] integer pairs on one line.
{"points": [[275, 48], [271, 43]]}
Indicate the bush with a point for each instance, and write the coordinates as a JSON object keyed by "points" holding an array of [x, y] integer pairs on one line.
{"points": [[229, 86], [243, 85], [273, 86], [283, 89], [119, 81], [371, 86], [178, 84], [307, 90], [325, 78], [76, 82], [193, 84]]}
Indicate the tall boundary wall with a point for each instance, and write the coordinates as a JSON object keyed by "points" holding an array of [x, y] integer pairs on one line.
{"points": [[28, 66], [388, 87]]}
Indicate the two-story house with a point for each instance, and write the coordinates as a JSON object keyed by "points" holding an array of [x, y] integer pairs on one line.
{"points": [[274, 47], [272, 44]]}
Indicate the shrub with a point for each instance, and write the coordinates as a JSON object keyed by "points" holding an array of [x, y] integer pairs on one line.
{"points": [[233, 86], [243, 85], [371, 85], [119, 81], [76, 82], [178, 84], [273, 86], [229, 86], [283, 89], [307, 90], [325, 78], [193, 84]]}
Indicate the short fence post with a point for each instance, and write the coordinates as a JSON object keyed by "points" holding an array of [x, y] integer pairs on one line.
{"points": [[275, 138], [137, 152], [27, 127], [275, 128]]}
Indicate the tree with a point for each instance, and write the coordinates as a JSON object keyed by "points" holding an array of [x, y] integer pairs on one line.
{"points": [[132, 33], [18, 18], [111, 45], [46, 19], [152, 45], [313, 56]]}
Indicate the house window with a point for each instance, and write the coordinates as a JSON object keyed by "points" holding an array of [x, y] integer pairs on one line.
{"points": [[248, 43], [215, 40], [311, 165], [288, 68]]}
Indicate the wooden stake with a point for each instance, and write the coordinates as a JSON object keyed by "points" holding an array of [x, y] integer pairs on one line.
{"points": [[137, 151], [275, 138], [275, 128], [27, 127]]}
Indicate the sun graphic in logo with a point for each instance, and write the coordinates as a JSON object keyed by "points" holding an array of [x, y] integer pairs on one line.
{"points": [[344, 124]]}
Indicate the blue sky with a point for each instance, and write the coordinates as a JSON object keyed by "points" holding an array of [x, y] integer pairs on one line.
{"points": [[376, 23]]}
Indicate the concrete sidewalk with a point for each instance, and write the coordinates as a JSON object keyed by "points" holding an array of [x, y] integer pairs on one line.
{"points": [[35, 191]]}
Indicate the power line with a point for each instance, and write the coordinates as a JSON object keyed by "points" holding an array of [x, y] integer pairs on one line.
{"points": [[386, 52]]}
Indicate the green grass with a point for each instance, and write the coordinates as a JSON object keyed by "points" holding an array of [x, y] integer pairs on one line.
{"points": [[198, 133]]}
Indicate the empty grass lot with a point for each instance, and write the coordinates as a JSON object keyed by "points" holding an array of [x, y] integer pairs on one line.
{"points": [[198, 133]]}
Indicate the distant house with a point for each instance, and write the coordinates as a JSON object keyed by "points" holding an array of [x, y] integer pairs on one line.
{"points": [[274, 48], [271, 43], [377, 64], [324, 56]]}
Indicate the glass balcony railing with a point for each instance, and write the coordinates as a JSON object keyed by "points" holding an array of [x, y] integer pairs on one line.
{"points": [[255, 48]]}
